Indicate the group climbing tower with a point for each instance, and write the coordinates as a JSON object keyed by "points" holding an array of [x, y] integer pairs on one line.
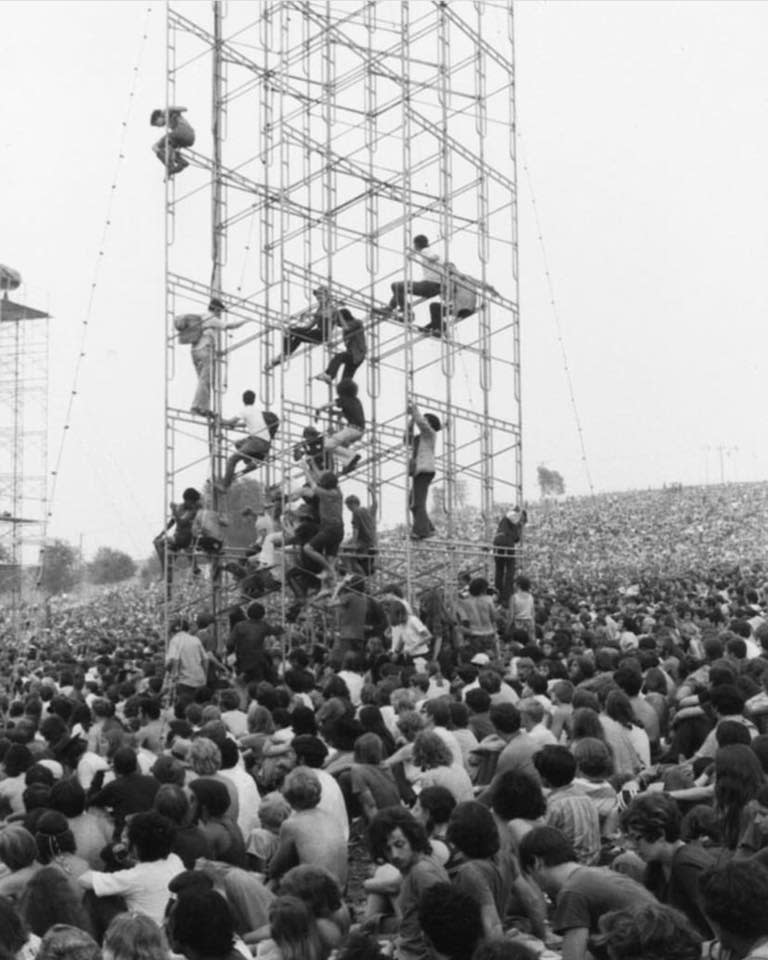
{"points": [[329, 133]]}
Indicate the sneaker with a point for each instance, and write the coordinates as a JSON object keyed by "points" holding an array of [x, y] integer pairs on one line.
{"points": [[351, 465], [324, 378]]}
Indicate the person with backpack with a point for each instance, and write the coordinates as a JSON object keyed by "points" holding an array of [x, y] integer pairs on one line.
{"points": [[254, 448], [200, 333]]}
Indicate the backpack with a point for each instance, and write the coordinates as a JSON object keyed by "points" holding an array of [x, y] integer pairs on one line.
{"points": [[272, 422], [189, 327]]}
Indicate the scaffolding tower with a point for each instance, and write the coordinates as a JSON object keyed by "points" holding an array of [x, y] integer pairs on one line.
{"points": [[23, 452], [328, 135]]}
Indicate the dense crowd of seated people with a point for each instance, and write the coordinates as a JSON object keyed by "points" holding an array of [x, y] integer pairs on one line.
{"points": [[578, 772]]}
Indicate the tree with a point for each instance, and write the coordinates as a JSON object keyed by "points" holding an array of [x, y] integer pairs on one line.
{"points": [[110, 566], [551, 482], [244, 493], [151, 570], [60, 567]]}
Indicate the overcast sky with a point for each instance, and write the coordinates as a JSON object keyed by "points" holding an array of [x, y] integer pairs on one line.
{"points": [[643, 136]]}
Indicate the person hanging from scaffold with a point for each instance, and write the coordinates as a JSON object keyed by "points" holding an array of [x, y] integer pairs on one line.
{"points": [[180, 133], [253, 450], [200, 333]]}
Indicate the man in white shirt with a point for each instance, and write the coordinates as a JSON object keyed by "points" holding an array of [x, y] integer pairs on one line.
{"points": [[254, 448], [186, 661], [430, 284]]}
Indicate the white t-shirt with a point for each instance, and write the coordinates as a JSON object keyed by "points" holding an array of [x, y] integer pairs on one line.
{"points": [[430, 267], [145, 886], [254, 422]]}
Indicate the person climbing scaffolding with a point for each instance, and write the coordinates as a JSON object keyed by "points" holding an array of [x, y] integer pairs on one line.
{"points": [[253, 449], [353, 354], [180, 133], [168, 546], [348, 407], [322, 320], [421, 468], [200, 333]]}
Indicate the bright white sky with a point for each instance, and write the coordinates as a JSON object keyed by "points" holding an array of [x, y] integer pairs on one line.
{"points": [[644, 131]]}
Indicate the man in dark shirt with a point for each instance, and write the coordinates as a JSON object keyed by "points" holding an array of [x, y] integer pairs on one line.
{"points": [[246, 642], [352, 603], [318, 330], [324, 545], [130, 791], [360, 550], [350, 409], [353, 353], [581, 894], [652, 823]]}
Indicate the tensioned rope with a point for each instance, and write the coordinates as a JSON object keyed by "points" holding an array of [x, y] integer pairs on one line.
{"points": [[97, 268], [556, 315]]}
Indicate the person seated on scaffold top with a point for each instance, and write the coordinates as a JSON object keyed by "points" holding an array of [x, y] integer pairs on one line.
{"points": [[460, 302], [180, 134], [429, 286], [200, 333], [348, 407], [323, 318], [253, 449]]}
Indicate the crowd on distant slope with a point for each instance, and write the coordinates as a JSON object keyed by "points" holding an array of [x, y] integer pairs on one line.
{"points": [[578, 770]]}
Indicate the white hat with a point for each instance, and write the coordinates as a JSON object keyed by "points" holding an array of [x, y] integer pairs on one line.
{"points": [[481, 659]]}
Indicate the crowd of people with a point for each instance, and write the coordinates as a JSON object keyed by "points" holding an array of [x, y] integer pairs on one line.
{"points": [[578, 768]]}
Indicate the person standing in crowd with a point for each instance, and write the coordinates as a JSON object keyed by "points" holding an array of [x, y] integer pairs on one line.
{"points": [[522, 608], [186, 661], [509, 534]]}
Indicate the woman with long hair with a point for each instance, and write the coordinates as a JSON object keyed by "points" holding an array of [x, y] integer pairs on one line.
{"points": [[50, 899], [133, 936], [372, 721], [434, 758], [294, 932], [738, 779], [628, 741]]}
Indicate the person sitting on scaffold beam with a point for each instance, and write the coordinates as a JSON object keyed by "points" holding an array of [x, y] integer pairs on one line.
{"points": [[318, 330], [200, 333], [253, 449], [460, 303], [429, 286], [180, 134]]}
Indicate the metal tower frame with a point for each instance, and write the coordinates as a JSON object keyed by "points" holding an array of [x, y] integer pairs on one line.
{"points": [[339, 129], [23, 442]]}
